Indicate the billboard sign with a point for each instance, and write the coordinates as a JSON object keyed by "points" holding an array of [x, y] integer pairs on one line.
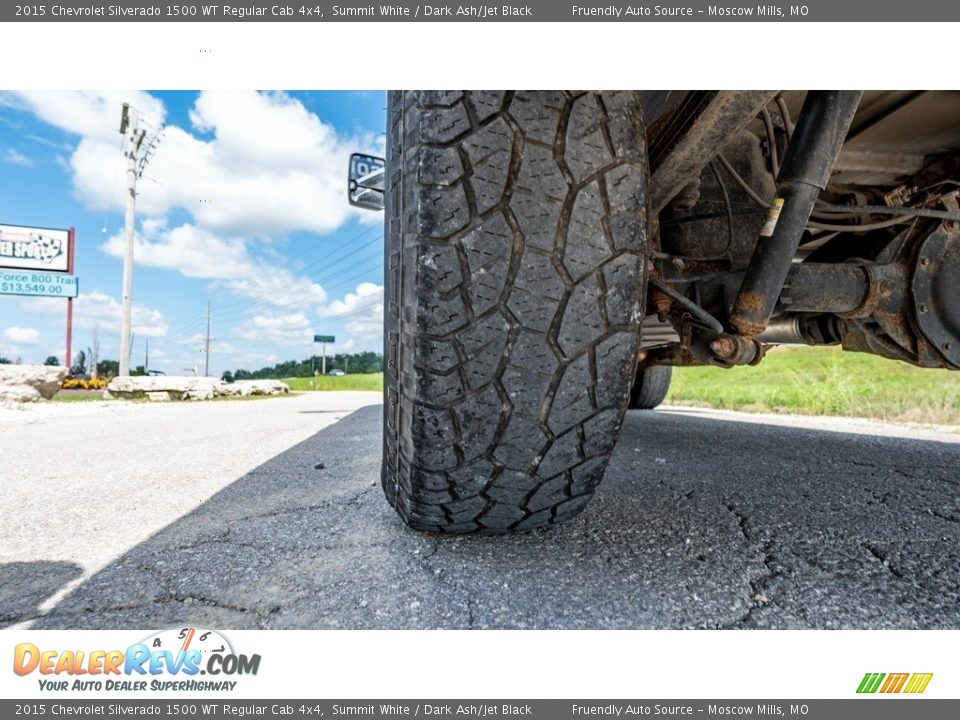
{"points": [[32, 248], [21, 282]]}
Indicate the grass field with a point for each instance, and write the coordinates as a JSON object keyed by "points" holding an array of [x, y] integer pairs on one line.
{"points": [[824, 381], [808, 381], [371, 381], [74, 396]]}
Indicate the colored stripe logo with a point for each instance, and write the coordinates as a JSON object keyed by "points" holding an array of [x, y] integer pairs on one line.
{"points": [[913, 683]]}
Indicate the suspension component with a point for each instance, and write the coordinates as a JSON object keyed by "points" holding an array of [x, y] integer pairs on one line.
{"points": [[820, 131]]}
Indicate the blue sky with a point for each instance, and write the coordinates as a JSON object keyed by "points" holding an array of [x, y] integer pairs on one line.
{"points": [[243, 205]]}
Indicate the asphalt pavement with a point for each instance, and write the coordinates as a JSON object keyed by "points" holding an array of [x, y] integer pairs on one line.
{"points": [[704, 520]]}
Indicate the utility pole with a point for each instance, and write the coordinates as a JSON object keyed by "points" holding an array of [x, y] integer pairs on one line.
{"points": [[95, 351], [137, 157], [206, 346], [146, 354], [129, 126]]}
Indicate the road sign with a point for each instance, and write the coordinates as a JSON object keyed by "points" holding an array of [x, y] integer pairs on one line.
{"points": [[33, 248], [46, 284], [324, 339]]}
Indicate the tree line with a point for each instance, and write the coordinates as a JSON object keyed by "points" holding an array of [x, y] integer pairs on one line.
{"points": [[364, 362], [82, 367]]}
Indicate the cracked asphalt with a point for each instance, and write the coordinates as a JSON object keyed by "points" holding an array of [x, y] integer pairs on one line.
{"points": [[704, 520]]}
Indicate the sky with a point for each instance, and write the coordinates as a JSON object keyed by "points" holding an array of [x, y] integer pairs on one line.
{"points": [[242, 205]]}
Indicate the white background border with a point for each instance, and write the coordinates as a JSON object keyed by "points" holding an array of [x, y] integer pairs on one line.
{"points": [[363, 56], [520, 664]]}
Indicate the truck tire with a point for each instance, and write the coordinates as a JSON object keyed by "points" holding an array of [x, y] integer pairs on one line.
{"points": [[650, 387], [514, 284]]}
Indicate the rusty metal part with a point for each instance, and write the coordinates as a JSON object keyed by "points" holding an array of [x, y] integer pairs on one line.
{"points": [[736, 350], [750, 304], [826, 287], [693, 135], [912, 312], [705, 319], [817, 139], [882, 282], [674, 354], [661, 302], [936, 291]]}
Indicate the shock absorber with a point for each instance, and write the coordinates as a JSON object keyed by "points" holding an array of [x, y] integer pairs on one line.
{"points": [[819, 134]]}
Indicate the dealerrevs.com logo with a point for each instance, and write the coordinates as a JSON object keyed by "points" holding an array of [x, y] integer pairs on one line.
{"points": [[890, 683], [168, 660]]}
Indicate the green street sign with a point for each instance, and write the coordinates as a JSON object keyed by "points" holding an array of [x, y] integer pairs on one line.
{"points": [[323, 338]]}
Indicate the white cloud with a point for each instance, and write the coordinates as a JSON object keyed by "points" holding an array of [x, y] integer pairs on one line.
{"points": [[91, 114], [97, 308], [23, 335], [190, 250], [363, 312], [289, 329], [197, 253], [11, 156], [365, 296], [272, 167]]}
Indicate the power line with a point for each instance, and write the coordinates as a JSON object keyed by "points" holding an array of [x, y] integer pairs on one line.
{"points": [[290, 300], [302, 272], [242, 308]]}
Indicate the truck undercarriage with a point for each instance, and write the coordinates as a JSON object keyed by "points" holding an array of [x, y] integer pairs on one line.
{"points": [[545, 250], [839, 229]]}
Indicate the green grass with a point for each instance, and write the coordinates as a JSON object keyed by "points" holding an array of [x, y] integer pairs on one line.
{"points": [[824, 381], [368, 381], [809, 381], [65, 396]]}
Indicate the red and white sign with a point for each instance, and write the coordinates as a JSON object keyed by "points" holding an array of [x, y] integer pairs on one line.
{"points": [[33, 248]]}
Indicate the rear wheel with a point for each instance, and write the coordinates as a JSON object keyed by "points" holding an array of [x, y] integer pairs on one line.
{"points": [[515, 245], [650, 387]]}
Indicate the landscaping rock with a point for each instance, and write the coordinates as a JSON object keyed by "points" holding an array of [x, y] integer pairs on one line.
{"points": [[177, 387], [171, 387], [261, 387], [29, 383]]}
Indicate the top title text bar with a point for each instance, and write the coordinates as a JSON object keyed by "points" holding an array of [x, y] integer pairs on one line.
{"points": [[529, 11]]}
